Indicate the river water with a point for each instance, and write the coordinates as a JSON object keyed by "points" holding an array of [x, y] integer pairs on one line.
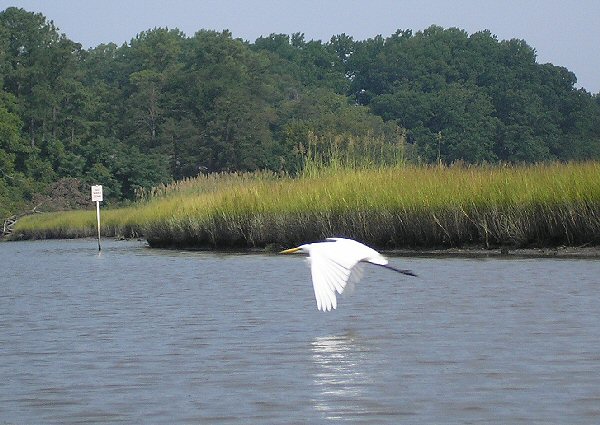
{"points": [[140, 335]]}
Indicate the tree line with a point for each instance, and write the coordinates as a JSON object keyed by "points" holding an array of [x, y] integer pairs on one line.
{"points": [[166, 106]]}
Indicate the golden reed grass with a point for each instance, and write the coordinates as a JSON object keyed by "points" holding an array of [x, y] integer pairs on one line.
{"points": [[387, 207]]}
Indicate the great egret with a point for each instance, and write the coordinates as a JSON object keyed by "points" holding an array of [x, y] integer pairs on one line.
{"points": [[336, 261]]}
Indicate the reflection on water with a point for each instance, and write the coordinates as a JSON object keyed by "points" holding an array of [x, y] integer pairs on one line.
{"points": [[340, 376]]}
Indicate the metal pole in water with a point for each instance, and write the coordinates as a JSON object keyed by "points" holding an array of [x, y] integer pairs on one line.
{"points": [[97, 197], [98, 217]]}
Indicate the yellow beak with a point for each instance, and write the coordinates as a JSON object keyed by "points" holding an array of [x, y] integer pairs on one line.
{"points": [[290, 251]]}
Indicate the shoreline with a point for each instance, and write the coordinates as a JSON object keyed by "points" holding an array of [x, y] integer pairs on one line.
{"points": [[583, 252], [590, 252]]}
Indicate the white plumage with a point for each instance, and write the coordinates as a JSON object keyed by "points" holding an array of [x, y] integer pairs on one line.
{"points": [[334, 263]]}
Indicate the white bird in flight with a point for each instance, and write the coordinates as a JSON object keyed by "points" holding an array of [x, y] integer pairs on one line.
{"points": [[335, 262]]}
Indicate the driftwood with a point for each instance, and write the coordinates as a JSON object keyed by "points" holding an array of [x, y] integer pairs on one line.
{"points": [[9, 223]]}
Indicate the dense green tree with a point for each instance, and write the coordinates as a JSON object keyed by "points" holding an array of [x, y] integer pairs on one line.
{"points": [[167, 106], [11, 144], [40, 71], [472, 98], [452, 124], [14, 186]]}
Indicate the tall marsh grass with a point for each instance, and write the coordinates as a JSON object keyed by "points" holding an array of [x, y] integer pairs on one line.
{"points": [[387, 207]]}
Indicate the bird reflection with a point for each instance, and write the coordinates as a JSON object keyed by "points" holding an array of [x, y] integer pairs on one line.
{"points": [[339, 374]]}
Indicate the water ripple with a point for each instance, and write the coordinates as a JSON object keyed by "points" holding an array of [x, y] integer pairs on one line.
{"points": [[151, 336]]}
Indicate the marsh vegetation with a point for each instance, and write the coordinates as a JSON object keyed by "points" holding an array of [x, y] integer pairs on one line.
{"points": [[389, 207]]}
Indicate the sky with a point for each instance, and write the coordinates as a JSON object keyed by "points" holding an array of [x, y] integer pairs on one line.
{"points": [[564, 33]]}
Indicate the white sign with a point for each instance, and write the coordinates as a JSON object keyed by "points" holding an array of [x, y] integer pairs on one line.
{"points": [[97, 193]]}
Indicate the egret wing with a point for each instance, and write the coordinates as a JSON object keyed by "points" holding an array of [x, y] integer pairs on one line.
{"points": [[324, 295], [330, 272], [335, 263], [349, 252], [355, 276]]}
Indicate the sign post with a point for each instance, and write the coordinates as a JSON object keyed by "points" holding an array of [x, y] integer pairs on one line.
{"points": [[97, 197]]}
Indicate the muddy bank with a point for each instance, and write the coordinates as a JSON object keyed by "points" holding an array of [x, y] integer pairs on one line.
{"points": [[473, 251], [468, 252], [478, 252]]}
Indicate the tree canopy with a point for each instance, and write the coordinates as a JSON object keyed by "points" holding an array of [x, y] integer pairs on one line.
{"points": [[167, 106]]}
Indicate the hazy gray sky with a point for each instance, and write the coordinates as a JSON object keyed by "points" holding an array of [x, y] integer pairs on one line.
{"points": [[565, 33]]}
